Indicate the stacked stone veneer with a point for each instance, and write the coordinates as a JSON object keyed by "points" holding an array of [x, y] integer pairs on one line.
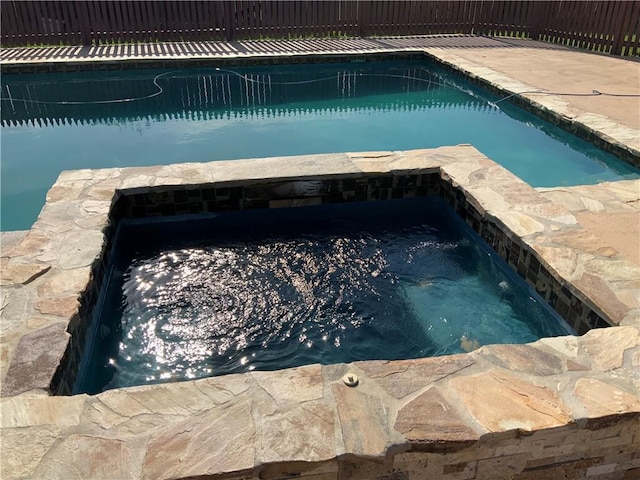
{"points": [[565, 407]]}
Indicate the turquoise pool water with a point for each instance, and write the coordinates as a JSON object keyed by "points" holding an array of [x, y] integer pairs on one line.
{"points": [[197, 115], [271, 289]]}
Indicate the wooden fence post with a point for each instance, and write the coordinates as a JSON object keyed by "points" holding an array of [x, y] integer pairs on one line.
{"points": [[535, 21], [229, 24], [364, 7]]}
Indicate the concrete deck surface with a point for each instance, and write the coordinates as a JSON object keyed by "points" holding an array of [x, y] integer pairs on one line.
{"points": [[560, 69]]}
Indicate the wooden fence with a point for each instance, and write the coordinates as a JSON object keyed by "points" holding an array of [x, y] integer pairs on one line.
{"points": [[605, 26]]}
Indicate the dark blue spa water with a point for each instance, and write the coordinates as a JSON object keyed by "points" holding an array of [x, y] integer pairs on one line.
{"points": [[198, 115], [270, 289]]}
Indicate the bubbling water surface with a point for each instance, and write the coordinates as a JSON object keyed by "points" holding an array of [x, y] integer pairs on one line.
{"points": [[269, 290]]}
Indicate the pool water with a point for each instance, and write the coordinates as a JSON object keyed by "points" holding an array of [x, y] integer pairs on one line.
{"points": [[271, 289], [51, 122]]}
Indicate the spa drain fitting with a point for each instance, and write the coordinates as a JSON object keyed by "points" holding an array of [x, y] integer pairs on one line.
{"points": [[350, 379]]}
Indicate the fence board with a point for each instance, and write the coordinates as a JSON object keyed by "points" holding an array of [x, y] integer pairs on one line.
{"points": [[630, 30], [110, 14], [422, 22], [92, 21], [456, 17], [107, 22], [207, 24], [128, 13], [214, 19], [608, 21], [72, 16], [511, 19], [194, 20], [58, 23], [84, 23], [466, 16], [427, 22], [403, 17], [351, 18], [30, 20], [424, 17], [583, 32], [392, 23], [39, 25], [333, 24], [498, 12], [11, 24], [119, 22], [180, 22], [272, 30], [414, 18], [158, 20], [573, 33], [64, 16], [589, 26]]}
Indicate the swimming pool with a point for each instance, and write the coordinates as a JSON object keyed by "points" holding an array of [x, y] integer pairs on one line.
{"points": [[279, 288], [209, 114]]}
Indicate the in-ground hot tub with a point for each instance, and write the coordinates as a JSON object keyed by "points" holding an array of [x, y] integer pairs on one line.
{"points": [[231, 292], [265, 190]]}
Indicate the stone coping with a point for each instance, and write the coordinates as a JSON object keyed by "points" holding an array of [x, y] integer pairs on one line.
{"points": [[551, 402]]}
